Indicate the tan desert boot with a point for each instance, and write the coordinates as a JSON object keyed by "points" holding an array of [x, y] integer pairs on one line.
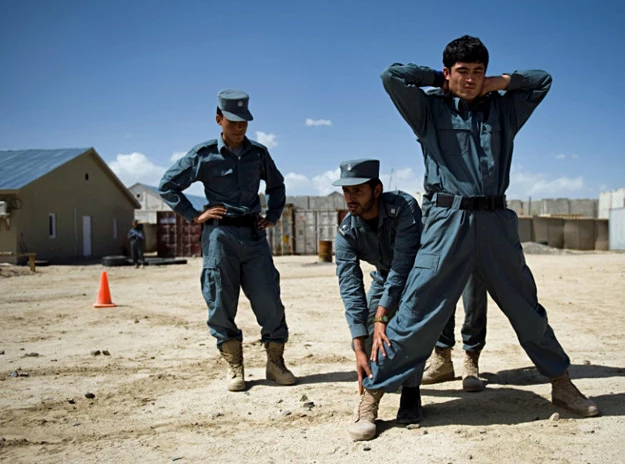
{"points": [[439, 367], [565, 394], [471, 375], [363, 421], [232, 352], [276, 370]]}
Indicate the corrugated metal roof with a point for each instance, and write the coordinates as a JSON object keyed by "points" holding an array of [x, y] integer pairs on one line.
{"points": [[197, 201], [19, 168]]}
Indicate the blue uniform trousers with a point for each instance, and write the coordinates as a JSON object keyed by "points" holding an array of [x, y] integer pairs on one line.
{"points": [[373, 301], [235, 258], [455, 243], [474, 327]]}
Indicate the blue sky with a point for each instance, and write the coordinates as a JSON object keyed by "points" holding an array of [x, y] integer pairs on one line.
{"points": [[138, 80]]}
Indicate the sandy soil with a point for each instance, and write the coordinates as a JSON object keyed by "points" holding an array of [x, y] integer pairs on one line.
{"points": [[160, 395]]}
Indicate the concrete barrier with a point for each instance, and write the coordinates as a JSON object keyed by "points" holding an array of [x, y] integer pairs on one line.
{"points": [[579, 234], [525, 229], [602, 236], [549, 230]]}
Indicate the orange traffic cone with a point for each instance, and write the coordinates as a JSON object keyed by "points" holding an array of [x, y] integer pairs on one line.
{"points": [[104, 294]]}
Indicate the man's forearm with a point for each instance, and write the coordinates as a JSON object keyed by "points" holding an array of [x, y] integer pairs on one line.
{"points": [[496, 83], [359, 344]]}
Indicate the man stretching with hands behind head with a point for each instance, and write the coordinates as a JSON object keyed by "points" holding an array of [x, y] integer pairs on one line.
{"points": [[466, 130]]}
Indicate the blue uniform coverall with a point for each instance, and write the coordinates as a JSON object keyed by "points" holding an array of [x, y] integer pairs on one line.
{"points": [[467, 152], [234, 257], [474, 326], [391, 249], [136, 237]]}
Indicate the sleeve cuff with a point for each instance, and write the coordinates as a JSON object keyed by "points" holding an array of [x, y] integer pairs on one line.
{"points": [[387, 302], [516, 81], [359, 330], [439, 79]]}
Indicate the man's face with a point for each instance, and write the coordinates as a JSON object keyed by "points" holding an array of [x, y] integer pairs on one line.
{"points": [[360, 200], [465, 80], [233, 131]]}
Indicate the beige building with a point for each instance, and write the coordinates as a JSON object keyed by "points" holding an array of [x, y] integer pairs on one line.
{"points": [[64, 205]]}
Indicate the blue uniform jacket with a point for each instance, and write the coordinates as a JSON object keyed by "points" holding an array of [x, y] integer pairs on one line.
{"points": [[392, 251], [228, 180], [467, 150]]}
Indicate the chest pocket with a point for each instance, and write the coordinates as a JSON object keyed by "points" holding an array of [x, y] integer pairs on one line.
{"points": [[220, 173], [250, 171], [491, 137], [454, 135]]}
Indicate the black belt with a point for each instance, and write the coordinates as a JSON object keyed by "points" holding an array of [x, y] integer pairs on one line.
{"points": [[472, 203], [249, 220]]}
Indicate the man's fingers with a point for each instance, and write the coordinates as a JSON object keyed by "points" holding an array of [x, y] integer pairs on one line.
{"points": [[368, 371], [360, 387]]}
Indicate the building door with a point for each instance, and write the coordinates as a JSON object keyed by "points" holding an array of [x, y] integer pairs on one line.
{"points": [[86, 235]]}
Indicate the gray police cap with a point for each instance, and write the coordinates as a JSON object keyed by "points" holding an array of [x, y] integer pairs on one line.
{"points": [[356, 172], [233, 104]]}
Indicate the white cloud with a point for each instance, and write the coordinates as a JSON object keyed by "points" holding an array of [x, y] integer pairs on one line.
{"points": [[318, 122], [403, 179], [176, 156], [321, 184], [560, 157], [525, 184], [575, 156], [136, 167], [269, 140], [297, 184]]}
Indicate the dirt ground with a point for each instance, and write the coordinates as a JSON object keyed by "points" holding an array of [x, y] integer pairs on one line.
{"points": [[160, 394]]}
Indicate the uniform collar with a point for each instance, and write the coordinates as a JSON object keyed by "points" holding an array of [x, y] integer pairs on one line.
{"points": [[221, 144], [383, 215], [459, 104]]}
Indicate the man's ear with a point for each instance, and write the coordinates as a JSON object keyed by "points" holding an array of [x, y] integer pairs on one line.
{"points": [[377, 191], [218, 118], [446, 73]]}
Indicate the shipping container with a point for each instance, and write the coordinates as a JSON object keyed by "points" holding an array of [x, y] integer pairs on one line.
{"points": [[176, 236], [281, 236], [312, 226]]}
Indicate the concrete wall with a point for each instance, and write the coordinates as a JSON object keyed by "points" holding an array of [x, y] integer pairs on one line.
{"points": [[549, 206], [579, 234], [611, 200], [617, 229], [526, 233]]}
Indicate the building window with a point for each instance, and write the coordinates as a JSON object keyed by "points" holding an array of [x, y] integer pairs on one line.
{"points": [[138, 195], [86, 176], [52, 225], [114, 227]]}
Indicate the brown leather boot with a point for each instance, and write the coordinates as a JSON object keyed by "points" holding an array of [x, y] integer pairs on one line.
{"points": [[363, 420], [439, 367], [471, 375], [565, 394], [232, 352], [276, 369]]}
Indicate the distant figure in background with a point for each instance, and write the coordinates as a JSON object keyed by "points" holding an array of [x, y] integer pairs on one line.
{"points": [[136, 237]]}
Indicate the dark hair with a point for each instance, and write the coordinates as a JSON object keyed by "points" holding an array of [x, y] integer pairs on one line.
{"points": [[374, 183], [466, 49], [219, 113]]}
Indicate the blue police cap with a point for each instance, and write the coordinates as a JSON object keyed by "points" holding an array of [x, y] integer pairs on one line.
{"points": [[233, 104], [358, 172]]}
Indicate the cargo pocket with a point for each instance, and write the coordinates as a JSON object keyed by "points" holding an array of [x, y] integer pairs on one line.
{"points": [[426, 261], [211, 283]]}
